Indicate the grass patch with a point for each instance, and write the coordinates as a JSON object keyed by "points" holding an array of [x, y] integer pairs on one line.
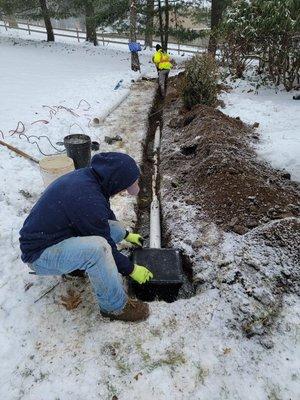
{"points": [[173, 359]]}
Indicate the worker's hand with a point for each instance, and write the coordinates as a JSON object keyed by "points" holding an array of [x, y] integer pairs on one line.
{"points": [[141, 274], [135, 238]]}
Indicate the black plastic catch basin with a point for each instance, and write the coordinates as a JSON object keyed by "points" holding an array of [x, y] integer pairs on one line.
{"points": [[166, 266], [78, 148]]}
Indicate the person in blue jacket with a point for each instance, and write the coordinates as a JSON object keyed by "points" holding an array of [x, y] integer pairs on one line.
{"points": [[72, 227]]}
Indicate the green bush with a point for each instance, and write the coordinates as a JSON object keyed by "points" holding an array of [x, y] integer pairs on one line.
{"points": [[266, 31], [200, 82]]}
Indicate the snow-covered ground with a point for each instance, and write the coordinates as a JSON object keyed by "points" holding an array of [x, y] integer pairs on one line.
{"points": [[34, 74], [185, 350], [278, 116]]}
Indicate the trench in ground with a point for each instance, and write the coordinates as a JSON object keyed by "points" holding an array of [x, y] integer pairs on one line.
{"points": [[155, 119]]}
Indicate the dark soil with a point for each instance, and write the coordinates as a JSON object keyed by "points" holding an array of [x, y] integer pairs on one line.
{"points": [[155, 120], [147, 169], [214, 167], [235, 218]]}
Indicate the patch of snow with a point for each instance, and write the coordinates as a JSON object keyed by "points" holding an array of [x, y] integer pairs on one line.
{"points": [[278, 116]]}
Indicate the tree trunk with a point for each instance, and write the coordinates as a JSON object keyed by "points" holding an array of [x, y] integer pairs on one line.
{"points": [[149, 24], [135, 61], [161, 25], [217, 8], [165, 48], [12, 22], [90, 25], [164, 25], [48, 25]]}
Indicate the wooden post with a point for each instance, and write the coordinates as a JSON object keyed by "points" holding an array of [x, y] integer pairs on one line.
{"points": [[103, 38], [178, 43], [29, 32], [5, 26], [77, 33]]}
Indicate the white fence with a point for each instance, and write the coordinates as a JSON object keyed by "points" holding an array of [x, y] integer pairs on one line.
{"points": [[103, 37]]}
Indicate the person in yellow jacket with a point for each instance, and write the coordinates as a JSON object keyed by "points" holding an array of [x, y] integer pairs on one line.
{"points": [[163, 65], [161, 59]]}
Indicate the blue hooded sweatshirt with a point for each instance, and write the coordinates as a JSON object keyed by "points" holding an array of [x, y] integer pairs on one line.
{"points": [[77, 204]]}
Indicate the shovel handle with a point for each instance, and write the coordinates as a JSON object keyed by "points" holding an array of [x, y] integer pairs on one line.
{"points": [[20, 152]]}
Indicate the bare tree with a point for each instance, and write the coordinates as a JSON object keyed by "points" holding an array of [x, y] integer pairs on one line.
{"points": [[163, 13], [91, 34], [46, 16], [217, 9], [135, 61], [167, 19], [149, 23]]}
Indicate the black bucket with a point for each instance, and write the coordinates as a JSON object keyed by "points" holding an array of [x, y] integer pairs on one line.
{"points": [[78, 148]]}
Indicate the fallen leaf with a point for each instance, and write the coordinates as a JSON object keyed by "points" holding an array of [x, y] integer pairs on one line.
{"points": [[136, 377], [226, 351], [71, 300]]}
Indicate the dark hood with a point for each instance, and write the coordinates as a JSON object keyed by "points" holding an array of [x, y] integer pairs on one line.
{"points": [[116, 171]]}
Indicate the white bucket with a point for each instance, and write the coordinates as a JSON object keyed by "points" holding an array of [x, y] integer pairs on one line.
{"points": [[52, 167]]}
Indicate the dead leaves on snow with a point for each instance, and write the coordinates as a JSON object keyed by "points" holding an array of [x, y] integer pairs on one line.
{"points": [[71, 300], [227, 350]]}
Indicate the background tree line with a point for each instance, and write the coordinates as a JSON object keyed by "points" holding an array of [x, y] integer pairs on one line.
{"points": [[151, 17], [267, 32], [242, 30]]}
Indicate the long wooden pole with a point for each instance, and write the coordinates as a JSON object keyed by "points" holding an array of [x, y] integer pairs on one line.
{"points": [[20, 152]]}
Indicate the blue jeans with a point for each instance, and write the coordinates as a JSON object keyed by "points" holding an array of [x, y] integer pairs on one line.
{"points": [[93, 255]]}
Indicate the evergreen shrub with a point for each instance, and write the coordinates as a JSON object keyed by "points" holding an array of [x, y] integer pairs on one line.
{"points": [[200, 82]]}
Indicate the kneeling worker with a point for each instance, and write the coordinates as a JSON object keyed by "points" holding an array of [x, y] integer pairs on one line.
{"points": [[72, 227]]}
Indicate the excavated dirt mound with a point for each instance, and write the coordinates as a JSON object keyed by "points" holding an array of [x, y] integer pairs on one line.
{"points": [[265, 266], [214, 162], [234, 217]]}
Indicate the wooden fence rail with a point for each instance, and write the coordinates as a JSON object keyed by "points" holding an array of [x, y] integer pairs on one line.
{"points": [[102, 36]]}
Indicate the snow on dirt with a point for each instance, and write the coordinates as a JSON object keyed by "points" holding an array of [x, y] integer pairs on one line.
{"points": [[210, 178], [278, 116], [185, 350]]}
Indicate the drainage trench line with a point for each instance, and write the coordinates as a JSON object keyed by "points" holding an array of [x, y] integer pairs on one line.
{"points": [[149, 170], [148, 199]]}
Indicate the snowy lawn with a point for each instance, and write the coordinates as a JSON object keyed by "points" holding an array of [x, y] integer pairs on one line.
{"points": [[33, 74], [278, 116]]}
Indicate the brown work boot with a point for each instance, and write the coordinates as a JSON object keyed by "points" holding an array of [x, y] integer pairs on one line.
{"points": [[133, 311]]}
